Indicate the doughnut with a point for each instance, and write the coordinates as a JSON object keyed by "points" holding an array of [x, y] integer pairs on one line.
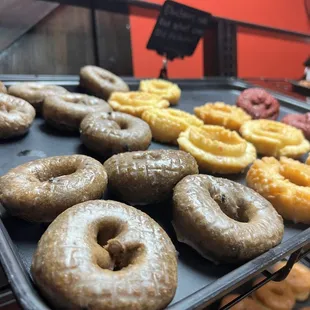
{"points": [[40, 190], [16, 116], [224, 221], [285, 183], [2, 88], [300, 121], [100, 82], [167, 90], [114, 132], [216, 149], [147, 177], [167, 124], [298, 279], [275, 295], [35, 93], [105, 255], [259, 104], [136, 102], [276, 139], [222, 114], [245, 304], [68, 110]]}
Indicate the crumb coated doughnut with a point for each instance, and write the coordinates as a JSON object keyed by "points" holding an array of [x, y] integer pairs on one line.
{"points": [[298, 279], [300, 121], [223, 220], [276, 139], [167, 124], [16, 116], [100, 82], [275, 295], [35, 93], [2, 88], [259, 104], [285, 183], [147, 177], [105, 255], [68, 110], [219, 113], [40, 190], [216, 149], [136, 102], [245, 304], [167, 90], [114, 132]]}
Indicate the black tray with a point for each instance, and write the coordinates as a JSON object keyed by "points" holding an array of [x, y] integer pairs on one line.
{"points": [[303, 90], [200, 281]]}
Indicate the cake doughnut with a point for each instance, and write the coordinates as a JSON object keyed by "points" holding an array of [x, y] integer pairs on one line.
{"points": [[147, 177], [16, 116], [100, 82], [216, 149], [35, 93], [223, 220], [2, 88], [167, 90], [222, 114], [259, 104], [68, 110], [167, 124], [105, 255], [114, 132], [300, 121], [245, 304], [276, 139], [285, 183], [275, 295], [136, 102], [40, 190], [298, 279]]}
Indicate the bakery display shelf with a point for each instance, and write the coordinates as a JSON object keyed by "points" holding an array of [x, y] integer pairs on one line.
{"points": [[300, 88], [200, 282]]}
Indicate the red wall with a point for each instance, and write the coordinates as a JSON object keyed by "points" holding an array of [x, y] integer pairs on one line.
{"points": [[259, 53]]}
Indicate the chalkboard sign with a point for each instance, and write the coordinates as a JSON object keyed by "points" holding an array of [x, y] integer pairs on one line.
{"points": [[178, 30]]}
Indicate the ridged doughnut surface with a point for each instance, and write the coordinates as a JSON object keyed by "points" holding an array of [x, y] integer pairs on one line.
{"points": [[105, 255]]}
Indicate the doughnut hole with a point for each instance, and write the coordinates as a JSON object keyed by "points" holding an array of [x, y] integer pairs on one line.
{"points": [[51, 175]]}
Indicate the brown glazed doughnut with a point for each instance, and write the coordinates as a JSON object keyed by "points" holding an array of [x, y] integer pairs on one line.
{"points": [[35, 93], [149, 176], [259, 104], [2, 88], [16, 116], [245, 304], [100, 82], [105, 255], [223, 220], [68, 110], [40, 190], [114, 132], [300, 121]]}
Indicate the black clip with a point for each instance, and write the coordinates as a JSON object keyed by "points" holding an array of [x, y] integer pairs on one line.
{"points": [[163, 74]]}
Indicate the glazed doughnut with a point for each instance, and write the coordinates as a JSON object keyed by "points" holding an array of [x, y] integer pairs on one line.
{"points": [[2, 88], [100, 82], [136, 102], [105, 255], [245, 304], [216, 149], [259, 104], [275, 295], [222, 114], [165, 89], [167, 124], [68, 110], [147, 177], [35, 93], [298, 279], [16, 116], [300, 121], [223, 220], [285, 183], [274, 138], [40, 190], [114, 132]]}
